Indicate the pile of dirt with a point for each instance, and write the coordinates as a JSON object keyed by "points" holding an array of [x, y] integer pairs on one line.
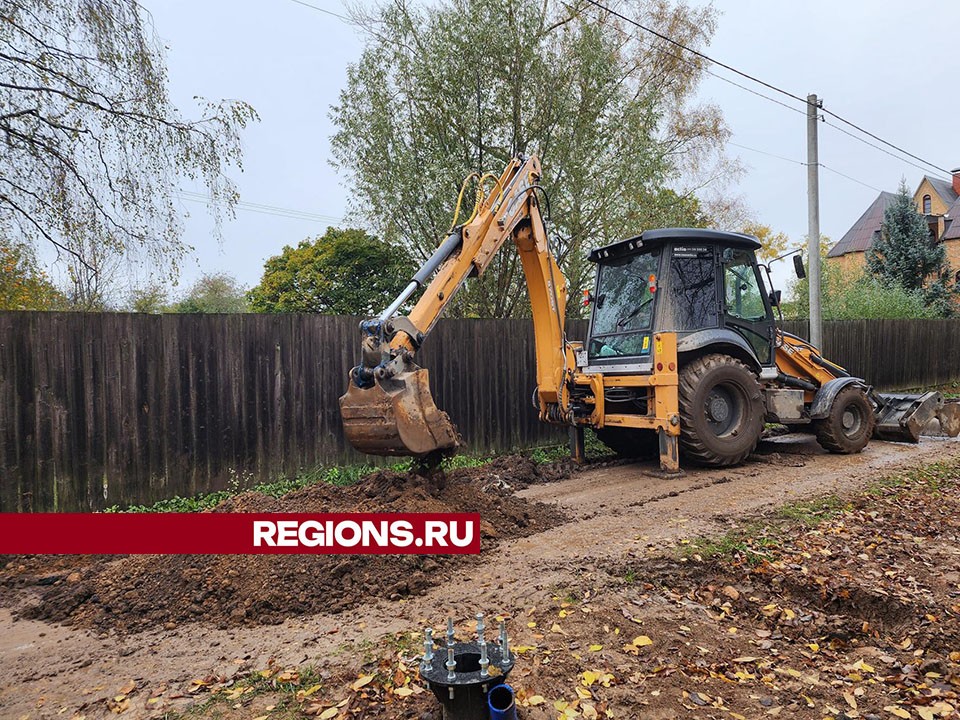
{"points": [[132, 593]]}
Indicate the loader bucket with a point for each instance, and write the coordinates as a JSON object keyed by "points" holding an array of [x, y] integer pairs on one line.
{"points": [[901, 418], [397, 416]]}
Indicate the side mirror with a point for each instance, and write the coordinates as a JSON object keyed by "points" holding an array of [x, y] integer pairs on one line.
{"points": [[775, 296], [798, 267]]}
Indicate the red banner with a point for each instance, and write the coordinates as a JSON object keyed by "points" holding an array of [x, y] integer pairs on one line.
{"points": [[239, 533]]}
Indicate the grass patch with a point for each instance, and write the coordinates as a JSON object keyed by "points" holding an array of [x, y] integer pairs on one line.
{"points": [[345, 475], [341, 476], [593, 448], [812, 512], [289, 691], [932, 478], [755, 541]]}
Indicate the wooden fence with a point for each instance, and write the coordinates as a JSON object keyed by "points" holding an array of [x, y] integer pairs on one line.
{"points": [[109, 408], [102, 409]]}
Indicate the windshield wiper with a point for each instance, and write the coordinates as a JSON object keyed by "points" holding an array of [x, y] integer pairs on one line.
{"points": [[621, 322]]}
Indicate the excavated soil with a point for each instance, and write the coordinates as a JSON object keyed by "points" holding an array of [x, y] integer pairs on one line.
{"points": [[132, 593]]}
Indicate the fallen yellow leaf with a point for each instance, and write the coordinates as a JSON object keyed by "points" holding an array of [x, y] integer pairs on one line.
{"points": [[898, 711], [361, 681], [329, 713], [596, 648], [403, 692], [535, 700], [642, 641]]}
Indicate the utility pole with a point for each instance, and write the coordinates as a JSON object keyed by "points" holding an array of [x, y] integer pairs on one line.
{"points": [[813, 221]]}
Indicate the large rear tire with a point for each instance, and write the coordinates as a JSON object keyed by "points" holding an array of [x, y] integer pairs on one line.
{"points": [[849, 426], [630, 442], [721, 411]]}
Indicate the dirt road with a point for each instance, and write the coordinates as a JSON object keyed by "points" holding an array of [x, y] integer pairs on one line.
{"points": [[615, 512]]}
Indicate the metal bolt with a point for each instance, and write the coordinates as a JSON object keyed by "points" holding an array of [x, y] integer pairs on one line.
{"points": [[484, 660], [480, 628], [428, 648], [450, 632], [451, 664], [504, 643]]}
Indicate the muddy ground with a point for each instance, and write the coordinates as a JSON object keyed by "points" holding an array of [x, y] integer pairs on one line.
{"points": [[140, 592], [826, 615]]}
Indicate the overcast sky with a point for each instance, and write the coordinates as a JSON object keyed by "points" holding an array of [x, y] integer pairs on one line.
{"points": [[886, 66]]}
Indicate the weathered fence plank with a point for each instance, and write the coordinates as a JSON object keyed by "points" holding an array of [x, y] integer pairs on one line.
{"points": [[99, 409]]}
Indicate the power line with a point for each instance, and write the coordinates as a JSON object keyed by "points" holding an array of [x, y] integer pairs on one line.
{"points": [[323, 10], [749, 90], [885, 142], [848, 177], [261, 208], [698, 53], [764, 152], [757, 80], [681, 58], [797, 162], [874, 146]]}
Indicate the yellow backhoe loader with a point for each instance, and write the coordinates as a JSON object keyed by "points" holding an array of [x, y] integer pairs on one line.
{"points": [[683, 358]]}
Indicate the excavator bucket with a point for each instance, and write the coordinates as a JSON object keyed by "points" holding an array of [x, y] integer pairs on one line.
{"points": [[397, 416], [902, 418]]}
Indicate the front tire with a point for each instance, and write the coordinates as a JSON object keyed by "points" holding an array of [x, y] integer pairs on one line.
{"points": [[849, 426], [721, 411]]}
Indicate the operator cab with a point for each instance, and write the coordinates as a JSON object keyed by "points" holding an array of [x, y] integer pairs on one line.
{"points": [[704, 285]]}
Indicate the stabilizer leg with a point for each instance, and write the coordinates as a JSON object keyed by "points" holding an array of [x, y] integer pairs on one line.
{"points": [[577, 448], [669, 454]]}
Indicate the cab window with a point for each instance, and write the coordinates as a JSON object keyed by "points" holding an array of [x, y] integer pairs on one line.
{"points": [[741, 288], [623, 310]]}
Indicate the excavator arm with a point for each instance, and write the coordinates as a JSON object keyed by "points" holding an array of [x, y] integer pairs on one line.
{"points": [[388, 408]]}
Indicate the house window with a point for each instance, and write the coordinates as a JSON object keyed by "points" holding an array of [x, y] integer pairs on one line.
{"points": [[926, 205]]}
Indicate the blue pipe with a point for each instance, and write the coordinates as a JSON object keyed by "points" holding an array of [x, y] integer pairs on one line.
{"points": [[500, 700]]}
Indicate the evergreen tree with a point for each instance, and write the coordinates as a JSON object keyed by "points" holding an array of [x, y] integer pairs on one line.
{"points": [[905, 254]]}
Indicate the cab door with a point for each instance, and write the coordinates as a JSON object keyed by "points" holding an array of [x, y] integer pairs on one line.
{"points": [[746, 309]]}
